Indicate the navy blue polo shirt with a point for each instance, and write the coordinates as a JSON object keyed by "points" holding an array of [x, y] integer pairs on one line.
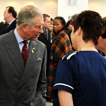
{"points": [[83, 74]]}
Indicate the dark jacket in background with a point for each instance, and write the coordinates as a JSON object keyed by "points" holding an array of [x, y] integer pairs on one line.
{"points": [[43, 39], [10, 28]]}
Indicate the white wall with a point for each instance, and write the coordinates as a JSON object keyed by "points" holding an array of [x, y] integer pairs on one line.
{"points": [[46, 6], [56, 7], [98, 5], [65, 9]]}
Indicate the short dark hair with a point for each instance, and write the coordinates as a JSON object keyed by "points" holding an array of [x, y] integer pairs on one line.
{"points": [[62, 20], [91, 23], [74, 16], [51, 19], [68, 23], [44, 16], [12, 10]]}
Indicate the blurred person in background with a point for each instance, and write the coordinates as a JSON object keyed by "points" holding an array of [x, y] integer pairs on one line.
{"points": [[61, 46], [51, 25], [69, 28], [10, 19], [45, 37], [102, 40]]}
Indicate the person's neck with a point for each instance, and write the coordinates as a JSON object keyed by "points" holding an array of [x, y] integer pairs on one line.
{"points": [[10, 20], [89, 46], [21, 33]]}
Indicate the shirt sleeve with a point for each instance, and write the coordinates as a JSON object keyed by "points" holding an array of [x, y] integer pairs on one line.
{"points": [[64, 76]]}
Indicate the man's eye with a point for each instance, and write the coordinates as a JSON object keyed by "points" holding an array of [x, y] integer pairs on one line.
{"points": [[37, 27]]}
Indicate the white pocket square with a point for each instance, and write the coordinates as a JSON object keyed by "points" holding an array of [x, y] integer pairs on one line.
{"points": [[39, 58]]}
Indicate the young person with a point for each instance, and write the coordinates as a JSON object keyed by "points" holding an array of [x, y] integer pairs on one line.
{"points": [[81, 76]]}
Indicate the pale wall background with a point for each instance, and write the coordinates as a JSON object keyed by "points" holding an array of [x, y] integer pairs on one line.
{"points": [[68, 8], [47, 6], [98, 5], [65, 8]]}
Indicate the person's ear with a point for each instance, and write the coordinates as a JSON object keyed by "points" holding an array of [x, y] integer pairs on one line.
{"points": [[10, 14], [24, 26]]}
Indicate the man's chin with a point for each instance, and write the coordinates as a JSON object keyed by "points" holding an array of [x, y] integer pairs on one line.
{"points": [[34, 39]]}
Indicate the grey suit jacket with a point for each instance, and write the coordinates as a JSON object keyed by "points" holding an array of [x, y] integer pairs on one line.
{"points": [[19, 85]]}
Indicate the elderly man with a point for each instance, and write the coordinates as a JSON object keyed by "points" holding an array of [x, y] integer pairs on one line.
{"points": [[23, 62]]}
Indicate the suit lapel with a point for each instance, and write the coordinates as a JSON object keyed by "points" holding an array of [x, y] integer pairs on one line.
{"points": [[14, 52], [29, 68], [15, 55]]}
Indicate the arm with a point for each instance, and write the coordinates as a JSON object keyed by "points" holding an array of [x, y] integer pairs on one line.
{"points": [[65, 98]]}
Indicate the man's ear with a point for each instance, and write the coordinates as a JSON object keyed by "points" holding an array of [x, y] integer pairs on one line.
{"points": [[10, 14], [24, 26]]}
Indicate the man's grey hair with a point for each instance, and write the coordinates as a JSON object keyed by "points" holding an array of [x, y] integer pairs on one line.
{"points": [[27, 14]]}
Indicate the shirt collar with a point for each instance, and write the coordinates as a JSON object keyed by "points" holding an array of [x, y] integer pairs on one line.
{"points": [[11, 22], [18, 37]]}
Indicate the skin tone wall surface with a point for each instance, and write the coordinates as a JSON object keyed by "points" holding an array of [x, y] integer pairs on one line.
{"points": [[98, 5], [46, 6], [56, 7]]}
